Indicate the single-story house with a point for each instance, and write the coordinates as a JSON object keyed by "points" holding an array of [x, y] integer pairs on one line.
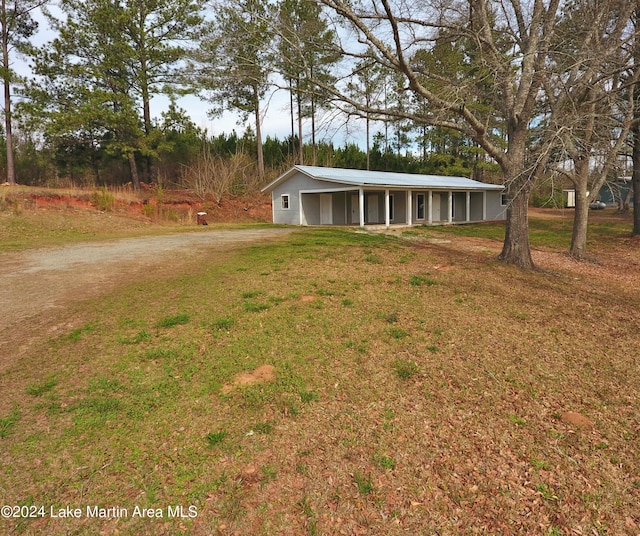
{"points": [[310, 195]]}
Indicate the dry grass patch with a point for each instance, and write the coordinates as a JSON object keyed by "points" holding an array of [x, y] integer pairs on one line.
{"points": [[264, 373]]}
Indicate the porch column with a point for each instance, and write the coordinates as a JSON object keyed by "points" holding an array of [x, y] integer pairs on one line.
{"points": [[484, 205], [468, 216], [302, 218], [409, 207], [361, 206], [430, 207], [387, 221], [450, 207]]}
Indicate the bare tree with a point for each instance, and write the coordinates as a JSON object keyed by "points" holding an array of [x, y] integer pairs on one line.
{"points": [[216, 177], [590, 91]]}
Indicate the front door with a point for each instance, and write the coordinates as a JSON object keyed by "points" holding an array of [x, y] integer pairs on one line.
{"points": [[435, 207], [372, 208], [326, 209], [355, 208]]}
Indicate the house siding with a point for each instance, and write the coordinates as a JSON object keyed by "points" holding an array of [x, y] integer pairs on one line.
{"points": [[292, 187], [495, 210]]}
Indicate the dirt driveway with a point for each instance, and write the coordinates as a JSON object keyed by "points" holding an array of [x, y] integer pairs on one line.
{"points": [[38, 286]]}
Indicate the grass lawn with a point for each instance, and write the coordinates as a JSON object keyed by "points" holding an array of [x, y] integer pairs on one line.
{"points": [[411, 386]]}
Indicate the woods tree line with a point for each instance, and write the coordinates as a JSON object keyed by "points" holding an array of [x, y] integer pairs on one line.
{"points": [[497, 90]]}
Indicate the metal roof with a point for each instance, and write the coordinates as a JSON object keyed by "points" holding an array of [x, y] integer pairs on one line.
{"points": [[357, 177]]}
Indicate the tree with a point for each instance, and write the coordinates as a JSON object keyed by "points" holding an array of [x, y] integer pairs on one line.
{"points": [[159, 34], [367, 85], [16, 27], [109, 58], [305, 45], [590, 99], [84, 90], [234, 61]]}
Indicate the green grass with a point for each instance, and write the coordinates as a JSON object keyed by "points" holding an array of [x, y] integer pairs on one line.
{"points": [[40, 388], [386, 462], [419, 280], [222, 324], [363, 482], [215, 438], [405, 369], [543, 232], [174, 320], [397, 333], [7, 423], [386, 399]]}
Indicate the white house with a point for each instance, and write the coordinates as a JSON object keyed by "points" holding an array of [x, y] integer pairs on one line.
{"points": [[309, 195]]}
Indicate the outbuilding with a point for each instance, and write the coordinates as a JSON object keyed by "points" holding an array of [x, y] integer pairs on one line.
{"points": [[310, 195]]}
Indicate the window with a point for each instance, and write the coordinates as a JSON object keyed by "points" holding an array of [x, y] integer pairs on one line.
{"points": [[421, 204], [503, 200], [285, 201]]}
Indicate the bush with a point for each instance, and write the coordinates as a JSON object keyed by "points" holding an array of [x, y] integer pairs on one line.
{"points": [[103, 200]]}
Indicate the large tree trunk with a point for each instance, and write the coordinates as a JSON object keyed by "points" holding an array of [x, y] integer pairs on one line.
{"points": [[515, 249], [133, 167], [293, 131], [578, 249], [152, 169], [259, 137], [635, 131], [300, 146], [635, 179]]}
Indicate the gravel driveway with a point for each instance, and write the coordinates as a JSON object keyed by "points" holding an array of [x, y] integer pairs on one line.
{"points": [[38, 286]]}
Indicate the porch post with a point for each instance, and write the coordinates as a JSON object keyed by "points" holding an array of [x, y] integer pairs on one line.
{"points": [[484, 205], [361, 206], [450, 207], [302, 218], [430, 207], [468, 215], [386, 208], [409, 208], [346, 210]]}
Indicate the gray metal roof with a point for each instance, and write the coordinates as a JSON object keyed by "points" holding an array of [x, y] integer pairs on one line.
{"points": [[356, 177]]}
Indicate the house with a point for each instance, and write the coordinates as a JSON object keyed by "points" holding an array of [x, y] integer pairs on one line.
{"points": [[614, 193], [309, 195]]}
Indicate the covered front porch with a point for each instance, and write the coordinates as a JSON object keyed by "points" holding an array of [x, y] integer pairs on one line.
{"points": [[369, 206]]}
